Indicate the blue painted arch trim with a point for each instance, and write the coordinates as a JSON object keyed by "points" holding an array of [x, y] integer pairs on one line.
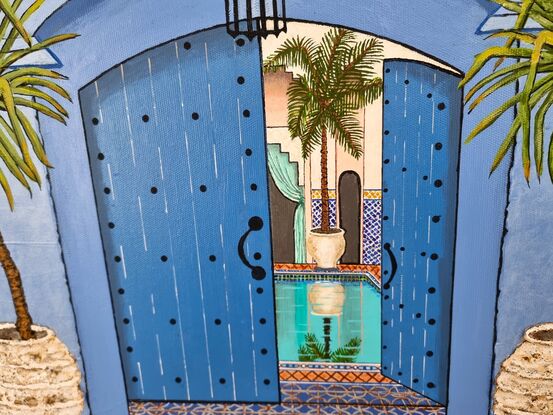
{"points": [[119, 26]]}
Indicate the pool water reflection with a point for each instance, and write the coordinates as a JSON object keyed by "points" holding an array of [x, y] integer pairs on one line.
{"points": [[348, 311]]}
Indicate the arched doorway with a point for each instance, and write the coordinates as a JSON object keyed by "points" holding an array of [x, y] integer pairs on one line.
{"points": [[282, 224], [349, 199]]}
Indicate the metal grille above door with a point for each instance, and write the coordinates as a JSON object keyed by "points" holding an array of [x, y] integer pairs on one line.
{"points": [[176, 139], [422, 119]]}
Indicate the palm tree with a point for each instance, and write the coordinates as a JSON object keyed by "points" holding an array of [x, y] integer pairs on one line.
{"points": [[529, 59], [338, 79], [20, 88]]}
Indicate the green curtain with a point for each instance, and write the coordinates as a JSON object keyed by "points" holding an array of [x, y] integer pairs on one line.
{"points": [[285, 175]]}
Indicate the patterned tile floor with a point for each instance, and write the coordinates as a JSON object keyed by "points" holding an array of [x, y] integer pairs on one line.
{"points": [[313, 398]]}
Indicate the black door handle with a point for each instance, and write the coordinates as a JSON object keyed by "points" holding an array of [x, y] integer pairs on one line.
{"points": [[393, 260], [255, 224]]}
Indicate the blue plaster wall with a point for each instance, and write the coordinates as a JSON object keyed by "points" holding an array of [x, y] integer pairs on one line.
{"points": [[32, 237], [526, 281], [113, 30]]}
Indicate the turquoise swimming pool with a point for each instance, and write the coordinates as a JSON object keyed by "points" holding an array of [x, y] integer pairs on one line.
{"points": [[349, 312]]}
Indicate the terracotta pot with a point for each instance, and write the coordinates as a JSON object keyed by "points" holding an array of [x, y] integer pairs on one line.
{"points": [[38, 376], [327, 298], [524, 385], [326, 248]]}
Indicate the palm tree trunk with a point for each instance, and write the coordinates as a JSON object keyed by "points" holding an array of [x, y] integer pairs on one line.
{"points": [[24, 320], [325, 213], [326, 329]]}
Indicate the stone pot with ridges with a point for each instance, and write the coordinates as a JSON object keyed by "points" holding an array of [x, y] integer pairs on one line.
{"points": [[38, 376], [524, 385]]}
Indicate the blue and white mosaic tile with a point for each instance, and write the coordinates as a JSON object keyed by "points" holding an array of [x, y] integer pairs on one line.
{"points": [[372, 231]]}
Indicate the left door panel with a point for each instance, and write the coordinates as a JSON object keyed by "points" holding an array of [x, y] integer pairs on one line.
{"points": [[176, 142]]}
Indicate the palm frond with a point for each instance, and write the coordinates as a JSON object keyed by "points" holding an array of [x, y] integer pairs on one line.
{"points": [[13, 34], [347, 131], [358, 63], [311, 137], [311, 350], [296, 51], [358, 95], [11, 58], [28, 87], [533, 69], [7, 190], [9, 13], [539, 132], [5, 22], [491, 53], [347, 353], [539, 13], [301, 103]]}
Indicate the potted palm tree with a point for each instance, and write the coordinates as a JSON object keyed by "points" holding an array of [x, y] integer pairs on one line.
{"points": [[338, 78], [38, 375]]}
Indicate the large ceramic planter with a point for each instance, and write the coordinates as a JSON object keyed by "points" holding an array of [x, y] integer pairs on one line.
{"points": [[326, 248], [38, 376], [525, 381]]}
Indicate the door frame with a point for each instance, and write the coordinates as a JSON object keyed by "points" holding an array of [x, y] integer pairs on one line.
{"points": [[85, 58]]}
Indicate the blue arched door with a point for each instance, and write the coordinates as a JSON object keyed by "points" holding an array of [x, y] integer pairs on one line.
{"points": [[422, 122], [176, 141]]}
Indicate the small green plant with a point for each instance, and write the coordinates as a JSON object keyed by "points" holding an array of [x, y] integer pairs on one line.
{"points": [[525, 58], [313, 350], [338, 79], [26, 87]]}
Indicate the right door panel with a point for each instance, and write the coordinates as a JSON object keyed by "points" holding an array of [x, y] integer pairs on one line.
{"points": [[422, 121]]}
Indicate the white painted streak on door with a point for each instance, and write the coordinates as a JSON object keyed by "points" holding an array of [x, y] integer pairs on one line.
{"points": [[99, 103], [152, 89], [243, 180], [124, 265], [111, 182], [127, 112], [194, 221], [231, 361], [140, 377], [180, 79], [160, 360], [400, 348], [433, 116], [215, 162], [431, 164], [393, 212], [163, 180], [206, 58], [132, 322], [412, 367], [405, 96], [210, 104], [428, 231], [253, 341], [142, 224], [239, 119], [153, 303]]}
